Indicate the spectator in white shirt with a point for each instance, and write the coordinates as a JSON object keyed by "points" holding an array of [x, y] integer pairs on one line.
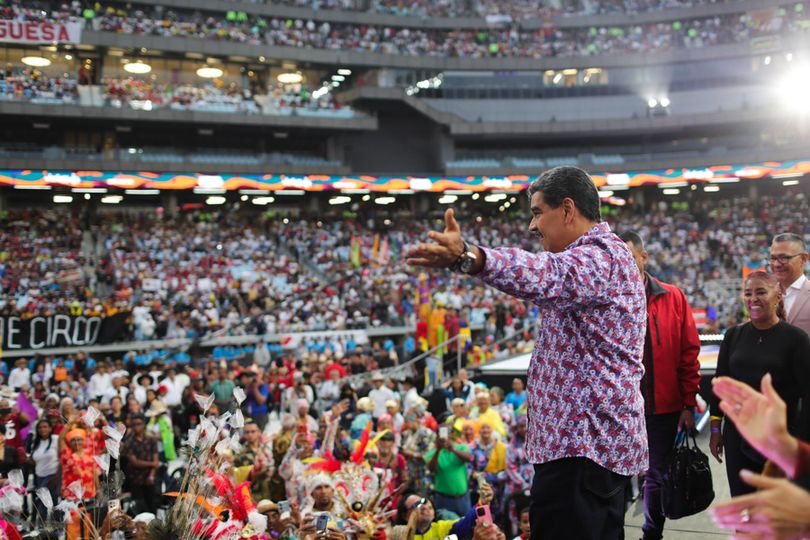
{"points": [[261, 356], [380, 394], [44, 453], [20, 376], [411, 396], [145, 382], [101, 382], [172, 386], [329, 392]]}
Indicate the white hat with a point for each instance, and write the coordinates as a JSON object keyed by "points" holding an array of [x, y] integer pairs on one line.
{"points": [[365, 404], [317, 480], [157, 408]]}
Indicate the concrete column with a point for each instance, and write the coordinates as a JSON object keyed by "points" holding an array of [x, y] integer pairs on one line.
{"points": [[169, 200]]}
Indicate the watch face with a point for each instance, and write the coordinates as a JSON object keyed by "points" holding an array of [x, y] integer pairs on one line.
{"points": [[466, 264]]}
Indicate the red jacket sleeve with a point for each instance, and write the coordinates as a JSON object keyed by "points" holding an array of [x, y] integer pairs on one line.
{"points": [[688, 367]]}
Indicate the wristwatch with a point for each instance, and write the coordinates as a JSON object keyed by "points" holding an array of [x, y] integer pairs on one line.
{"points": [[466, 260]]}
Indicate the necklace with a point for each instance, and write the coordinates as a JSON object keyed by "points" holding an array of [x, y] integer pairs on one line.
{"points": [[762, 334]]}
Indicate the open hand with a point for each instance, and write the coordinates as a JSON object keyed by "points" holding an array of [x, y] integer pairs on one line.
{"points": [[446, 250], [777, 510]]}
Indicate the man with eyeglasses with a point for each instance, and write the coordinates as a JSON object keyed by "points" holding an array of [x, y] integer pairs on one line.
{"points": [[787, 260]]}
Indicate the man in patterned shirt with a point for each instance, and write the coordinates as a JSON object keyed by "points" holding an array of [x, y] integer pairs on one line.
{"points": [[586, 434]]}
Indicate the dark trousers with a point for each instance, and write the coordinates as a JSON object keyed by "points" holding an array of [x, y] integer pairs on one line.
{"points": [[576, 499], [145, 498], [661, 432], [739, 455]]}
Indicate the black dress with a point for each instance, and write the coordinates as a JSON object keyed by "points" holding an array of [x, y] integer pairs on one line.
{"points": [[746, 355]]}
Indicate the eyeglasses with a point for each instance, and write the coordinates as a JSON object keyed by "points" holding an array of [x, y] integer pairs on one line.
{"points": [[417, 504], [783, 259]]}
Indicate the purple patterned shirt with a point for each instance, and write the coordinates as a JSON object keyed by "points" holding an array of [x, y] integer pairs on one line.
{"points": [[586, 368]]}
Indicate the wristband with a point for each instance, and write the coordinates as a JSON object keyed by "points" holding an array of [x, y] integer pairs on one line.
{"points": [[715, 430], [719, 418]]}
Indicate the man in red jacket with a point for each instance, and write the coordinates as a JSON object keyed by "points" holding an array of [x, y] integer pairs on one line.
{"points": [[671, 378]]}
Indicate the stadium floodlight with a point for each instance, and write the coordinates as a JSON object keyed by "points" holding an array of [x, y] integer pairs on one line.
{"points": [[788, 175], [254, 191], [89, 190], [62, 199], [298, 192], [495, 197], [605, 194], [35, 61], [208, 72], [290, 78], [138, 68], [142, 191], [671, 191], [366, 198], [338, 78], [261, 201], [652, 103], [39, 187], [789, 57], [344, 71], [448, 199], [385, 200], [711, 189], [792, 90], [476, 196], [339, 200], [112, 199], [215, 200], [664, 101], [767, 60], [673, 185], [787, 183]]}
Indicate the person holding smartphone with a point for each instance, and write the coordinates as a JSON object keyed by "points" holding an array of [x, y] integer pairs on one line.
{"points": [[448, 463]]}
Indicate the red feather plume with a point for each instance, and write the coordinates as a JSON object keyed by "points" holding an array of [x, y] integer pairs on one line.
{"points": [[327, 464], [360, 452]]}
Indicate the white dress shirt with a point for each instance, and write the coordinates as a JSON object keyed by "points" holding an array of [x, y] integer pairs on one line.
{"points": [[793, 291]]}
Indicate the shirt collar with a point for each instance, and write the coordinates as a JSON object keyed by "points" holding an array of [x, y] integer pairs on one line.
{"points": [[799, 283], [599, 229]]}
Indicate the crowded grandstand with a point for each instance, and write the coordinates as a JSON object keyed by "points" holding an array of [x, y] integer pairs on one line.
{"points": [[217, 318]]}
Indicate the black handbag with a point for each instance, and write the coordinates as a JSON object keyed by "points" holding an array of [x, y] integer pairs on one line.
{"points": [[687, 484]]}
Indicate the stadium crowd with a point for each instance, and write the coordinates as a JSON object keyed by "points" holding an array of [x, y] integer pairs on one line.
{"points": [[202, 272], [23, 83], [67, 423], [29, 84], [516, 9], [498, 42]]}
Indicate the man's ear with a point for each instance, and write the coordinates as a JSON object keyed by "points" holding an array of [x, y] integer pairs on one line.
{"points": [[569, 210], [645, 257]]}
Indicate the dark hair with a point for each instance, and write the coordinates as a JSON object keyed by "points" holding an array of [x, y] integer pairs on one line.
{"points": [[38, 440], [634, 238], [573, 183], [790, 237], [781, 313], [402, 509]]}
